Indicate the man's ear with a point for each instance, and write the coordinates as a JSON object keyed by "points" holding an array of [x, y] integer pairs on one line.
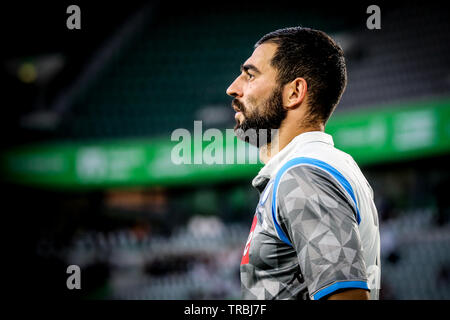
{"points": [[294, 93]]}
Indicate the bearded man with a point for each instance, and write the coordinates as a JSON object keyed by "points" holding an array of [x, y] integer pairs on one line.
{"points": [[315, 231]]}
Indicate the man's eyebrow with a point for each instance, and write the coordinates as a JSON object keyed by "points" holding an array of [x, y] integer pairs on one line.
{"points": [[246, 67]]}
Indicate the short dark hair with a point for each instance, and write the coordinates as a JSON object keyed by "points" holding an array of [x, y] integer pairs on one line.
{"points": [[314, 56]]}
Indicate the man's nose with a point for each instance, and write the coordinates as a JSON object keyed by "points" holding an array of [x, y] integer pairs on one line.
{"points": [[234, 89]]}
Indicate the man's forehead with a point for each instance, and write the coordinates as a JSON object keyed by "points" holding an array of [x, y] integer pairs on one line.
{"points": [[262, 56]]}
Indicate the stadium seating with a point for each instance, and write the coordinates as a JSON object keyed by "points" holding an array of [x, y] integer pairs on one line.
{"points": [[168, 71]]}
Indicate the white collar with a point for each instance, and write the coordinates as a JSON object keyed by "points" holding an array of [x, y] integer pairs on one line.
{"points": [[285, 154]]}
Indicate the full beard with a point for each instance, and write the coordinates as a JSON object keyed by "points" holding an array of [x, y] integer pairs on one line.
{"points": [[260, 126]]}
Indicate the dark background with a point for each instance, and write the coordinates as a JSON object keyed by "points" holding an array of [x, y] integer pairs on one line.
{"points": [[41, 225]]}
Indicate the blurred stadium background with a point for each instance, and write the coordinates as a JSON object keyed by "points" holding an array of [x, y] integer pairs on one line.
{"points": [[86, 122]]}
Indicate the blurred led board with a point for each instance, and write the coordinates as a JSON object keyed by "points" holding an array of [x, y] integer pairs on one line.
{"points": [[376, 136]]}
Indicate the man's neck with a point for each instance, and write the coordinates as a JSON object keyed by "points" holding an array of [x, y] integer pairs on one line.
{"points": [[282, 139]]}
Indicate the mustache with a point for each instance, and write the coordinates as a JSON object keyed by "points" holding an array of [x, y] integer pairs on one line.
{"points": [[238, 104]]}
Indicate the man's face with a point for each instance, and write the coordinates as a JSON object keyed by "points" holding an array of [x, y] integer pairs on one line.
{"points": [[257, 95]]}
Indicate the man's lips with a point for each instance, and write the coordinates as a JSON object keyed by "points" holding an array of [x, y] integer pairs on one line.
{"points": [[239, 115], [238, 112]]}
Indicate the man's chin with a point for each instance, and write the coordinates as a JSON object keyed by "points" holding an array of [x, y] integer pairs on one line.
{"points": [[240, 123], [255, 137]]}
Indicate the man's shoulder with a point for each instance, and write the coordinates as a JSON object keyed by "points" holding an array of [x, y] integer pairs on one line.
{"points": [[305, 172], [333, 160], [323, 156]]}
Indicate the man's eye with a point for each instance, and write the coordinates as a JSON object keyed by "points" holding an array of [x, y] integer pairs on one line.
{"points": [[250, 76]]}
